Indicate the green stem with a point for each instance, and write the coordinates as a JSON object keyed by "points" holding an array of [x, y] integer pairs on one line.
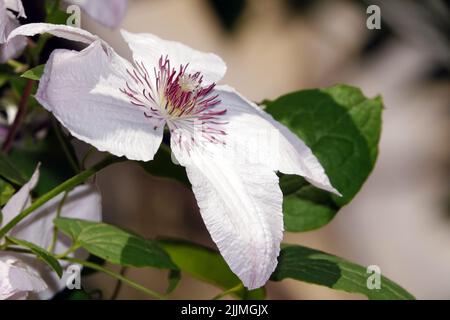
{"points": [[19, 67], [65, 186], [94, 266], [16, 250], [86, 157], [235, 289], [51, 248], [117, 276], [64, 255]]}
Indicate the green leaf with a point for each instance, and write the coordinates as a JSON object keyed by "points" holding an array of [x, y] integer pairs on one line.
{"points": [[41, 253], [10, 172], [6, 192], [307, 209], [35, 73], [342, 128], [207, 265], [162, 166], [174, 280], [114, 244], [316, 267], [291, 183]]}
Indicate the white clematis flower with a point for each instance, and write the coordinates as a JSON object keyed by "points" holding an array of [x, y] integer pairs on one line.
{"points": [[110, 13], [21, 274], [8, 22], [17, 279], [123, 108]]}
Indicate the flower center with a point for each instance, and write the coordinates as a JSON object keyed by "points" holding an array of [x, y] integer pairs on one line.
{"points": [[177, 98], [187, 84]]}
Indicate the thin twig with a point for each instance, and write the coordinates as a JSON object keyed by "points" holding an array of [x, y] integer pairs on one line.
{"points": [[233, 290], [51, 248], [22, 110], [118, 285]]}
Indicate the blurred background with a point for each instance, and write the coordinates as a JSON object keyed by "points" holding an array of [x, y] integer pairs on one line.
{"points": [[400, 220]]}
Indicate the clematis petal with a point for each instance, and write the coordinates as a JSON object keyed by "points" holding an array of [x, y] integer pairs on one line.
{"points": [[242, 210], [3, 22], [14, 35], [107, 12], [83, 202], [17, 280], [14, 48], [21, 199], [82, 90], [8, 23], [58, 30], [17, 6], [148, 48], [255, 137]]}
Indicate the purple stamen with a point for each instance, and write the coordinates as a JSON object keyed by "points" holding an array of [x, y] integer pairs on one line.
{"points": [[177, 97]]}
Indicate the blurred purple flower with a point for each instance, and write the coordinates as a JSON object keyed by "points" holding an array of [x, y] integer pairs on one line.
{"points": [[110, 13]]}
